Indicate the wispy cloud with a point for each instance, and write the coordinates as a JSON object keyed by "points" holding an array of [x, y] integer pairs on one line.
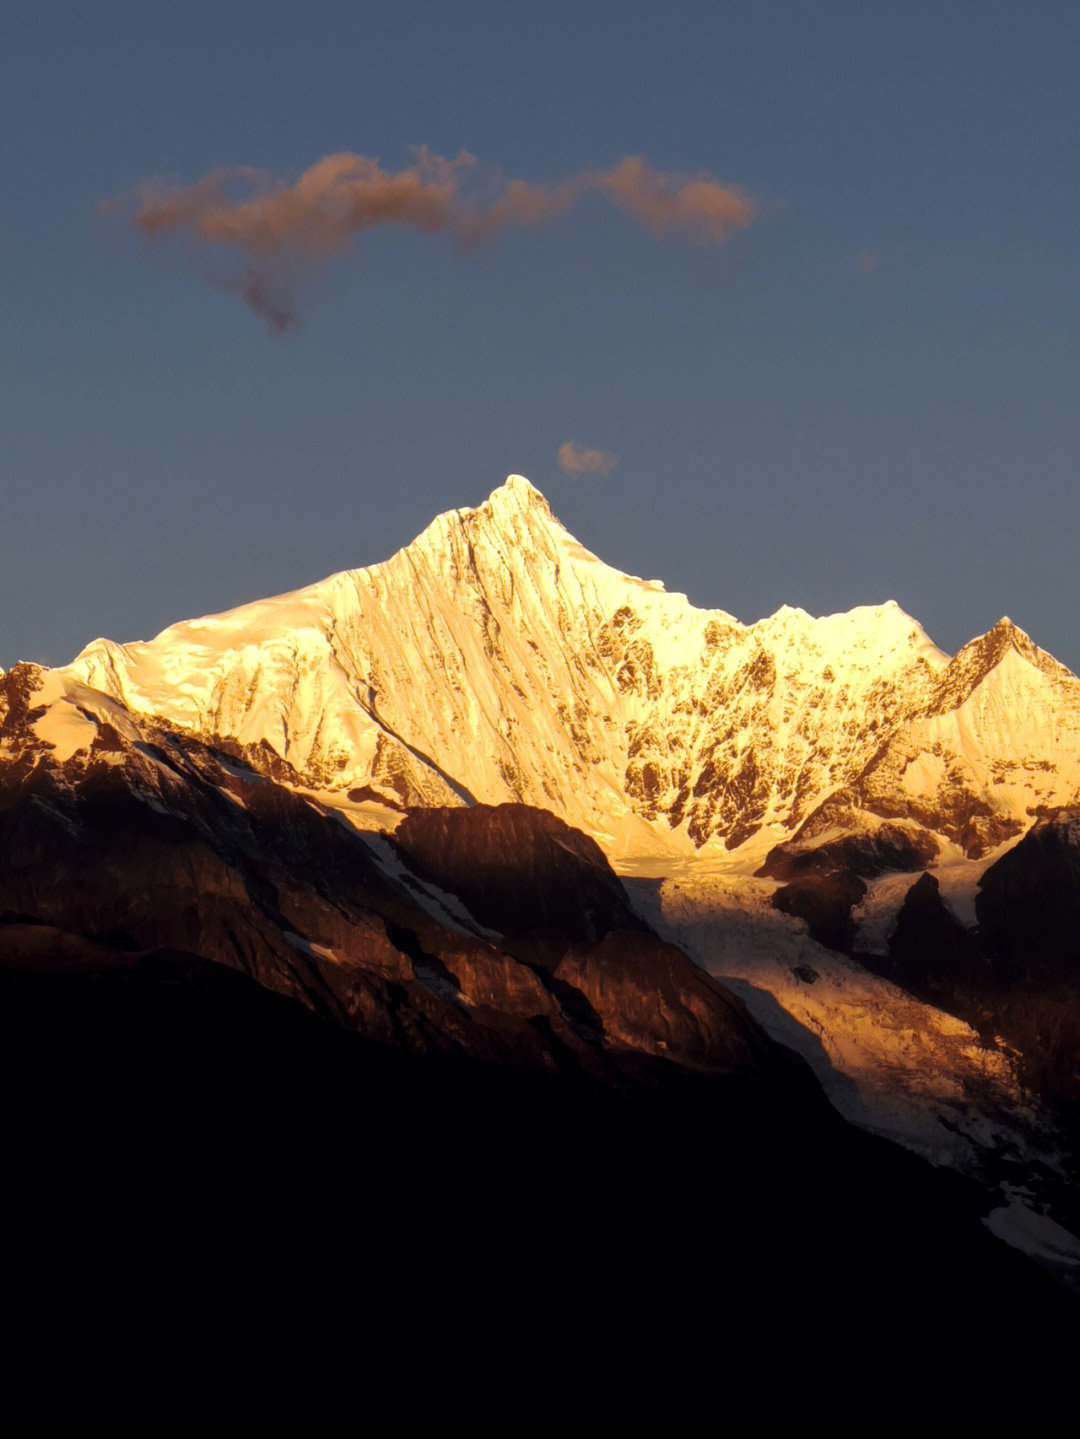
{"points": [[575, 459], [261, 238], [866, 262]]}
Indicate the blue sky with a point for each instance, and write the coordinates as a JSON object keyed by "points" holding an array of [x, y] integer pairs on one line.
{"points": [[868, 391]]}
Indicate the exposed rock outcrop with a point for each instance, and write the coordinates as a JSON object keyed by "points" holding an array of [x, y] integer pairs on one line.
{"points": [[144, 844], [556, 900], [823, 882]]}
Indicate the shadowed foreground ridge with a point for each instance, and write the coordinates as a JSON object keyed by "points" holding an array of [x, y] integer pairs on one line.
{"points": [[519, 869], [152, 843], [226, 1211], [551, 892], [466, 1182]]}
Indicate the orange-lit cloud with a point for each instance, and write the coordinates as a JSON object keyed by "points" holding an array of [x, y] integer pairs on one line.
{"points": [[574, 459], [674, 207], [261, 238], [866, 262]]}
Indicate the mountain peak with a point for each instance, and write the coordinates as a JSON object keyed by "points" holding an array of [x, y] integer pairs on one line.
{"points": [[517, 495], [519, 485], [1003, 637], [1005, 629], [1005, 643]]}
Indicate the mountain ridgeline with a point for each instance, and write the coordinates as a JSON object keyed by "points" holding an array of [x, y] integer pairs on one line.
{"points": [[495, 660]]}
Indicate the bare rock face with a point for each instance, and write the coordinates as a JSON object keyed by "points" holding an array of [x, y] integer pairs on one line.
{"points": [[825, 902], [889, 847], [823, 882], [1028, 907], [518, 869], [933, 956], [143, 844], [552, 894], [648, 996], [1028, 904], [1015, 974]]}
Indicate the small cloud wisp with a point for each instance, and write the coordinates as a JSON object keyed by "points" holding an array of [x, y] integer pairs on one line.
{"points": [[574, 459], [261, 238]]}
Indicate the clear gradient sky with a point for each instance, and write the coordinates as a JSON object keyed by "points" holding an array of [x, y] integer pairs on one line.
{"points": [[866, 391]]}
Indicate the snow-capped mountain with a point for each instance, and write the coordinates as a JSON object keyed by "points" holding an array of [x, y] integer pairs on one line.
{"points": [[770, 794], [496, 659]]}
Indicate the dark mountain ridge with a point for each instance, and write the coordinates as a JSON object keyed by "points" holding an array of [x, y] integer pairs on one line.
{"points": [[1014, 973], [305, 1129]]}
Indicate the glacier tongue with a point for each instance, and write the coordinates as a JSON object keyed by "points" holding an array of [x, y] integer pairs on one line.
{"points": [[888, 1062]]}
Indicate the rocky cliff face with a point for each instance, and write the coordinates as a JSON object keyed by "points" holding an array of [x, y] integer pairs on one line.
{"points": [[552, 894], [1028, 910], [1012, 973], [494, 660], [497, 934]]}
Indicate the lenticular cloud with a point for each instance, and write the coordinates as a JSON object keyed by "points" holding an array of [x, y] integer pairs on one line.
{"points": [[260, 237]]}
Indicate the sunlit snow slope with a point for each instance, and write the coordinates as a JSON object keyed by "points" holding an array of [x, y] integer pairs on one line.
{"points": [[496, 659]]}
